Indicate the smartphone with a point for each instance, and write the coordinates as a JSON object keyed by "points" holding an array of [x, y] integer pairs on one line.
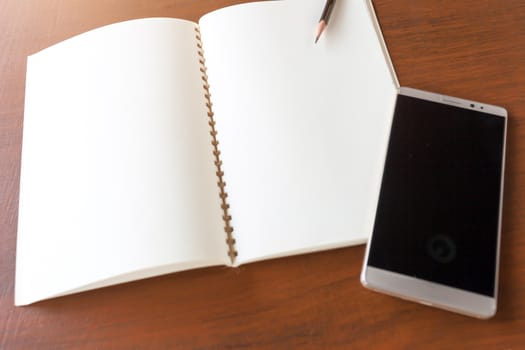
{"points": [[437, 227]]}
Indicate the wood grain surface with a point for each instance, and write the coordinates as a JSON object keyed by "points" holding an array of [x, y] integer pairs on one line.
{"points": [[473, 49]]}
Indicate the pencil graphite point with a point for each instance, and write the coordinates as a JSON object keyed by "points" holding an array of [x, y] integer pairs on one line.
{"points": [[320, 28]]}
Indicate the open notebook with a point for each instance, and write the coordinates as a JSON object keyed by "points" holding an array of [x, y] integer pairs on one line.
{"points": [[158, 145]]}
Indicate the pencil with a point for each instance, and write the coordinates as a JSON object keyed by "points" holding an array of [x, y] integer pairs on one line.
{"points": [[325, 16]]}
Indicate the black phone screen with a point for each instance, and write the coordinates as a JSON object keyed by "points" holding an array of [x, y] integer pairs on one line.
{"points": [[438, 212]]}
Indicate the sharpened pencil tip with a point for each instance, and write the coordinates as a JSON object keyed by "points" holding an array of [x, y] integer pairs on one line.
{"points": [[320, 28]]}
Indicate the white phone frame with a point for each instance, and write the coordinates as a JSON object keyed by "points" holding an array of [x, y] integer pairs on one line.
{"points": [[431, 293]]}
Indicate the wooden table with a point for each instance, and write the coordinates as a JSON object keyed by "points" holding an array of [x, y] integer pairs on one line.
{"points": [[470, 48]]}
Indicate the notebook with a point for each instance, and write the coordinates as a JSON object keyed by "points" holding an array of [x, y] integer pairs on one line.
{"points": [[158, 145]]}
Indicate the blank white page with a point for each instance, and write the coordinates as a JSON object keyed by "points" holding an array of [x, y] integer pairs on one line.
{"points": [[118, 180], [303, 127]]}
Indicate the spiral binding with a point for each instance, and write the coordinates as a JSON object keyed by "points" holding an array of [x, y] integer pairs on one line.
{"points": [[230, 241]]}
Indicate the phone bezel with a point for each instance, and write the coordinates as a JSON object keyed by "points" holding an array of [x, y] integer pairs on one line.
{"points": [[431, 293]]}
